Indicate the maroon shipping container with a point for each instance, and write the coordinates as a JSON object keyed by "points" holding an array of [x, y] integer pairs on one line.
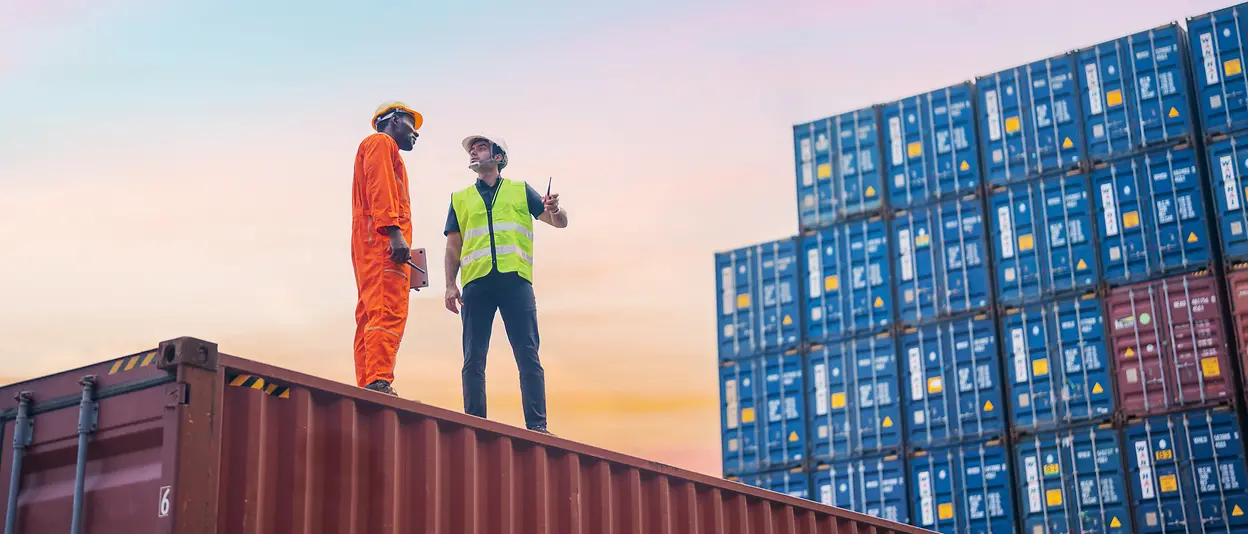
{"points": [[1237, 282], [1170, 344], [185, 440]]}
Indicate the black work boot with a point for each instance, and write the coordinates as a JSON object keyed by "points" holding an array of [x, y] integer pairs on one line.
{"points": [[381, 386]]}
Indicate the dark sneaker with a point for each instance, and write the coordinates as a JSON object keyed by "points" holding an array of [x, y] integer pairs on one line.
{"points": [[381, 386], [543, 430]]}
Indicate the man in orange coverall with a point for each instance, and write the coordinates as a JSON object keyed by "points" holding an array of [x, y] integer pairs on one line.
{"points": [[381, 231]]}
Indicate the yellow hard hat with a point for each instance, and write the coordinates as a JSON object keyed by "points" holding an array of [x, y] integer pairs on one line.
{"points": [[395, 105]]}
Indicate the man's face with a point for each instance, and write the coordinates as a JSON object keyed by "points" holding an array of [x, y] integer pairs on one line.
{"points": [[403, 129], [479, 155]]}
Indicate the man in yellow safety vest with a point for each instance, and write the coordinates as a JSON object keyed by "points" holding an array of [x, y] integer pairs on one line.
{"points": [[489, 243]]}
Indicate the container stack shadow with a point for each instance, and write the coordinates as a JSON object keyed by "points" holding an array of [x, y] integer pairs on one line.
{"points": [[1014, 304]]}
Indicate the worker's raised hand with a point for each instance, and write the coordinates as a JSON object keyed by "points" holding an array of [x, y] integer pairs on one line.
{"points": [[453, 299], [400, 252], [551, 202]]}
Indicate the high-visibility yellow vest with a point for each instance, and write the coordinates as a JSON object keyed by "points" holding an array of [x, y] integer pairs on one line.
{"points": [[502, 235]]}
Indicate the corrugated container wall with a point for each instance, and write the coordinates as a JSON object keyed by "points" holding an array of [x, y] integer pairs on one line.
{"points": [[1135, 92], [1216, 45], [762, 413], [855, 404], [1237, 290], [1072, 481], [1029, 120], [848, 280], [941, 252], [1153, 219], [838, 168], [875, 486], [1058, 367], [184, 440], [930, 147], [1170, 344], [793, 482], [758, 299], [1042, 238], [962, 489], [953, 389], [1228, 166], [1187, 472]]}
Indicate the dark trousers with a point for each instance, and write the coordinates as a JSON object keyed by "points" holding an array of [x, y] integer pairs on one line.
{"points": [[512, 296]]}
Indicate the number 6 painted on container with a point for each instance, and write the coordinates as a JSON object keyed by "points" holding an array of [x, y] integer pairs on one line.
{"points": [[164, 500]]}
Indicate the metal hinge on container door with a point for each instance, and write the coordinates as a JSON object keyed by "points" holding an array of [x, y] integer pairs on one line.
{"points": [[178, 394]]}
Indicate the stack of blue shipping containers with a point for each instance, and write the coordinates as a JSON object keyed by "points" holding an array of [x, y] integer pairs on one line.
{"points": [[1005, 307]]}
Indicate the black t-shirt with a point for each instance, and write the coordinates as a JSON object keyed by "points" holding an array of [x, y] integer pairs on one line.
{"points": [[536, 208]]}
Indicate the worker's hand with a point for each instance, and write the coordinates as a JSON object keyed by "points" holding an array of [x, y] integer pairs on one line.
{"points": [[400, 252], [551, 203], [453, 299]]}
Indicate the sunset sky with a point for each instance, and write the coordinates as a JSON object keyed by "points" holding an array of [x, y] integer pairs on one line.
{"points": [[177, 168]]}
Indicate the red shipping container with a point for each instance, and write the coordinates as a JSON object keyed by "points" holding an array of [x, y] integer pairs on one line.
{"points": [[1237, 282], [185, 440], [1169, 344]]}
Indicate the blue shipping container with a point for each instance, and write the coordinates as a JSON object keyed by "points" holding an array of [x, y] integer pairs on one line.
{"points": [[1042, 238], [963, 489], [873, 486], [1216, 44], [942, 260], [931, 150], [758, 295], [1228, 166], [794, 482], [848, 280], [762, 414], [855, 407], [838, 170], [1072, 481], [1058, 364], [1135, 92], [1187, 472], [954, 392], [1029, 117], [1152, 213]]}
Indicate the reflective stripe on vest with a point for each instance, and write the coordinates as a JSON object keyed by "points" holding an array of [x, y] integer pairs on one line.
{"points": [[510, 245]]}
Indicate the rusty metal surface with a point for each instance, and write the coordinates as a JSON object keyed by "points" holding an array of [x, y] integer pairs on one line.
{"points": [[1169, 344], [249, 448]]}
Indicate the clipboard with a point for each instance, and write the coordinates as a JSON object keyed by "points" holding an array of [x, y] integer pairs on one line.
{"points": [[418, 269]]}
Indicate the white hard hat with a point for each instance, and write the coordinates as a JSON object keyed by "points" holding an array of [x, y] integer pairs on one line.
{"points": [[502, 145]]}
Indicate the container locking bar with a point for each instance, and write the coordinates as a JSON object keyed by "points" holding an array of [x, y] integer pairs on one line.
{"points": [[88, 421], [23, 435]]}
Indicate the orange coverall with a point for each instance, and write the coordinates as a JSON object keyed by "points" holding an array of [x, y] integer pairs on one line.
{"points": [[379, 198]]}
